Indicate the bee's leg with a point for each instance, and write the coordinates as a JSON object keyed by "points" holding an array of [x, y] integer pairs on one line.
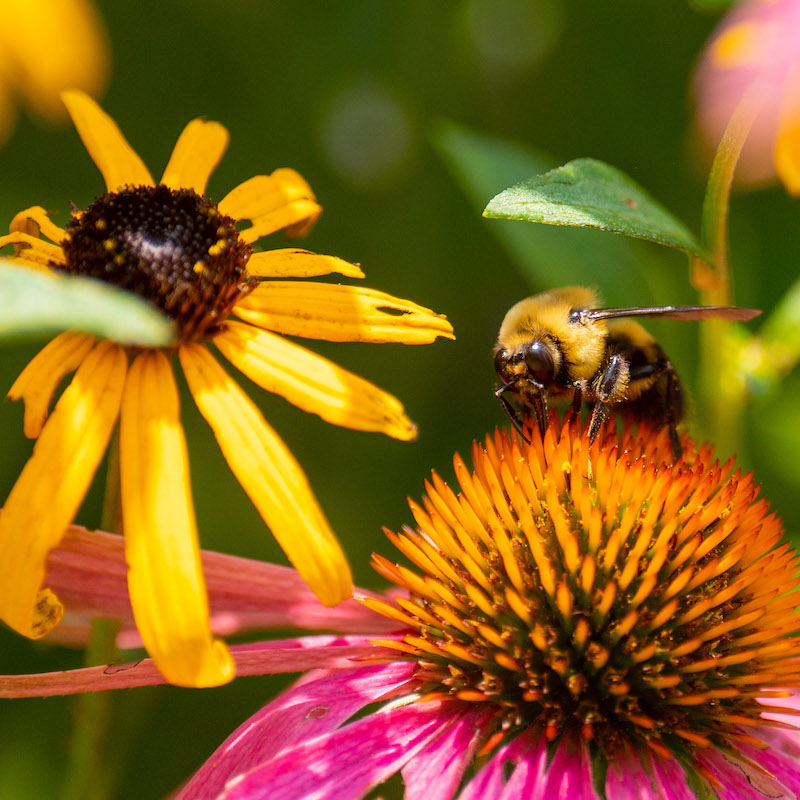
{"points": [[540, 404], [510, 411], [577, 401], [607, 386], [670, 396], [673, 408], [599, 416]]}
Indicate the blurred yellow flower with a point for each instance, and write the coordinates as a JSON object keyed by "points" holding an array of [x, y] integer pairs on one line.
{"points": [[167, 242], [47, 46], [756, 50]]}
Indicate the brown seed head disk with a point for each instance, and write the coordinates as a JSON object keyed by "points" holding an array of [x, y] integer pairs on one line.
{"points": [[171, 246]]}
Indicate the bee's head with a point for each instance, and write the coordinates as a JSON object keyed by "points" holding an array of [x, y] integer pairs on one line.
{"points": [[536, 361]]}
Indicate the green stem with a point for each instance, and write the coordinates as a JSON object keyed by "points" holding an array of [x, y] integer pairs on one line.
{"points": [[86, 778], [721, 402]]}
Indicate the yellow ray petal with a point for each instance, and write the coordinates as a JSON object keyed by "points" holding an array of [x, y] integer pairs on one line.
{"points": [[52, 485], [269, 474], [165, 575], [37, 382], [33, 249], [282, 200], [115, 158], [313, 383], [787, 142], [195, 156], [290, 262], [340, 313], [35, 221]]}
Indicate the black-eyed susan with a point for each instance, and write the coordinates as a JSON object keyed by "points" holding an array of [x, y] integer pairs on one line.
{"points": [[582, 621], [47, 46], [169, 243]]}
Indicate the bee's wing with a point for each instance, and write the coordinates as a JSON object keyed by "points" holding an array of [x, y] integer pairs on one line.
{"points": [[671, 312]]}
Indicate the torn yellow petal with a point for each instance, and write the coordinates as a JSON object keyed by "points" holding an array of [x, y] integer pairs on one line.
{"points": [[269, 474], [165, 575], [282, 200], [110, 151], [38, 381], [52, 485], [195, 156], [340, 313], [291, 262], [313, 383], [36, 221], [33, 249], [787, 142]]}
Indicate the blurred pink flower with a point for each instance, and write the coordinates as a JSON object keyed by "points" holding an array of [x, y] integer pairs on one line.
{"points": [[756, 49]]}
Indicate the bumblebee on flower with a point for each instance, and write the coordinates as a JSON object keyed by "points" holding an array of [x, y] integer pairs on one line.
{"points": [[186, 254]]}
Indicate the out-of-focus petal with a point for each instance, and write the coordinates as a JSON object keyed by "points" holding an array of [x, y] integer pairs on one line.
{"points": [[309, 709], [340, 313], [787, 142], [52, 485], [37, 382], [108, 148], [313, 383], [52, 45], [289, 262], [165, 577], [269, 474], [195, 155], [280, 201], [348, 762]]}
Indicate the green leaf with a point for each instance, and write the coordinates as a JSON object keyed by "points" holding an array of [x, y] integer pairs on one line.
{"points": [[625, 271], [34, 303], [589, 193]]}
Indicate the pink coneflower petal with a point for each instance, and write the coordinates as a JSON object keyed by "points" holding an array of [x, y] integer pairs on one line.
{"points": [[660, 779], [259, 658], [347, 763], [437, 771], [311, 708], [88, 572]]}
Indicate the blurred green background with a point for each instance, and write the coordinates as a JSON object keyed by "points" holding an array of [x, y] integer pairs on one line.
{"points": [[396, 114]]}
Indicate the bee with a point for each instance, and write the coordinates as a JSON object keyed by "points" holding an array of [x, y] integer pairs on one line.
{"points": [[560, 344]]}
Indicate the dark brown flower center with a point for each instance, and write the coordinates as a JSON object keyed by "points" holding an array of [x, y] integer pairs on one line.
{"points": [[171, 246]]}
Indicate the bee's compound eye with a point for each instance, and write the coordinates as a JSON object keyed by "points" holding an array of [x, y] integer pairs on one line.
{"points": [[500, 362], [539, 361]]}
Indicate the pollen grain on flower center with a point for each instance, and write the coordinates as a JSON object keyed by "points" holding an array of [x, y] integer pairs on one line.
{"points": [[600, 592], [171, 246]]}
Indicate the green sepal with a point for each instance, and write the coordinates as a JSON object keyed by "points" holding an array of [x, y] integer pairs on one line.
{"points": [[34, 303], [589, 193]]}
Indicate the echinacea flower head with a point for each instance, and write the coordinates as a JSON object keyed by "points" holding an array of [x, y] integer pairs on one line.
{"points": [[193, 259], [47, 46], [582, 621], [755, 52]]}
